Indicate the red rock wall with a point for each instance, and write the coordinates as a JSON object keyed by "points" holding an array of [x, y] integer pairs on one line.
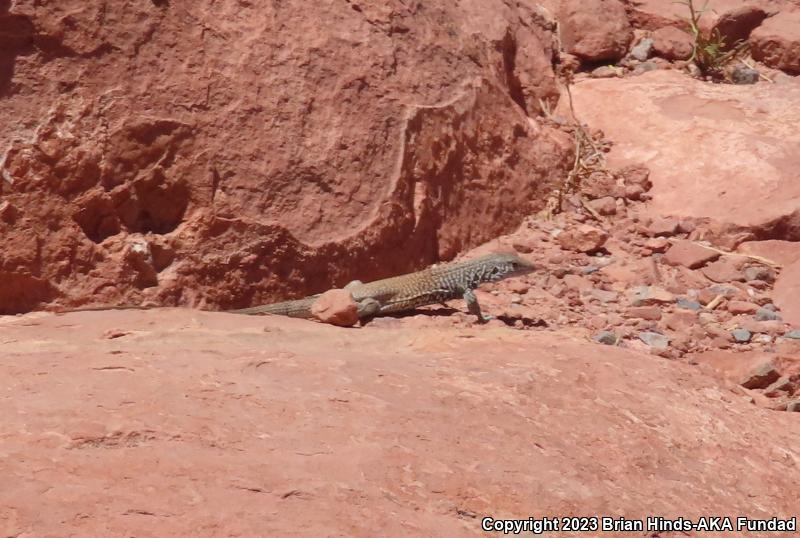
{"points": [[215, 154]]}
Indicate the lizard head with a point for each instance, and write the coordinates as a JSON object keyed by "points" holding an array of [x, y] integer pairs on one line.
{"points": [[509, 265]]}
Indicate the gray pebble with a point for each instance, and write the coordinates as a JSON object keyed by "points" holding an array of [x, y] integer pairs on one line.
{"points": [[725, 291], [642, 49], [759, 272], [741, 336], [762, 314], [656, 340], [794, 334], [744, 75], [644, 68], [604, 296], [688, 304], [606, 337], [606, 71]]}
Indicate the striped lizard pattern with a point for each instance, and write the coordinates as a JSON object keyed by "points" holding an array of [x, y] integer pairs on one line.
{"points": [[433, 285]]}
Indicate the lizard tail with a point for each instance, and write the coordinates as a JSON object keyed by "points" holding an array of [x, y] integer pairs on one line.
{"points": [[301, 308]]}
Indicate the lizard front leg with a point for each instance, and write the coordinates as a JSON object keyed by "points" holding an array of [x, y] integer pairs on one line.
{"points": [[474, 308], [368, 307]]}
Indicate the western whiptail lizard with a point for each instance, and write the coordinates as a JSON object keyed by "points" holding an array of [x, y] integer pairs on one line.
{"points": [[433, 285]]}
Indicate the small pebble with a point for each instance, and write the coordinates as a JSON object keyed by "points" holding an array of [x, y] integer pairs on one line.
{"points": [[759, 272], [762, 339], [723, 289], [644, 68], [589, 269], [794, 334], [604, 296], [602, 261], [744, 75], [642, 49], [606, 71], [741, 336], [649, 295], [706, 317], [688, 304], [656, 340], [762, 314], [606, 337]]}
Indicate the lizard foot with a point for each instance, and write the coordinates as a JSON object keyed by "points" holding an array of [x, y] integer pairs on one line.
{"points": [[368, 307]]}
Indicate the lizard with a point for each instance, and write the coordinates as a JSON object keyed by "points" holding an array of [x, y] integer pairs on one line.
{"points": [[400, 293], [406, 292]]}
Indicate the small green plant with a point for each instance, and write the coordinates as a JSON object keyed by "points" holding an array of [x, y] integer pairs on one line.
{"points": [[710, 53]]}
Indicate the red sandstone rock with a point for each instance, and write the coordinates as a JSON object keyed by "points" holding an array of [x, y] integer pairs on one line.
{"points": [[651, 313], [371, 149], [201, 409], [771, 327], [681, 321], [657, 244], [336, 307], [665, 226], [735, 366], [682, 342], [777, 42], [600, 186], [761, 376], [622, 275], [518, 286], [582, 238], [577, 282], [146, 257], [636, 175], [720, 342], [671, 43], [780, 387], [786, 293], [687, 225], [725, 269], [650, 295], [605, 206], [634, 192], [705, 296], [689, 254], [741, 307], [653, 14], [595, 30], [781, 252], [736, 25], [726, 185]]}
